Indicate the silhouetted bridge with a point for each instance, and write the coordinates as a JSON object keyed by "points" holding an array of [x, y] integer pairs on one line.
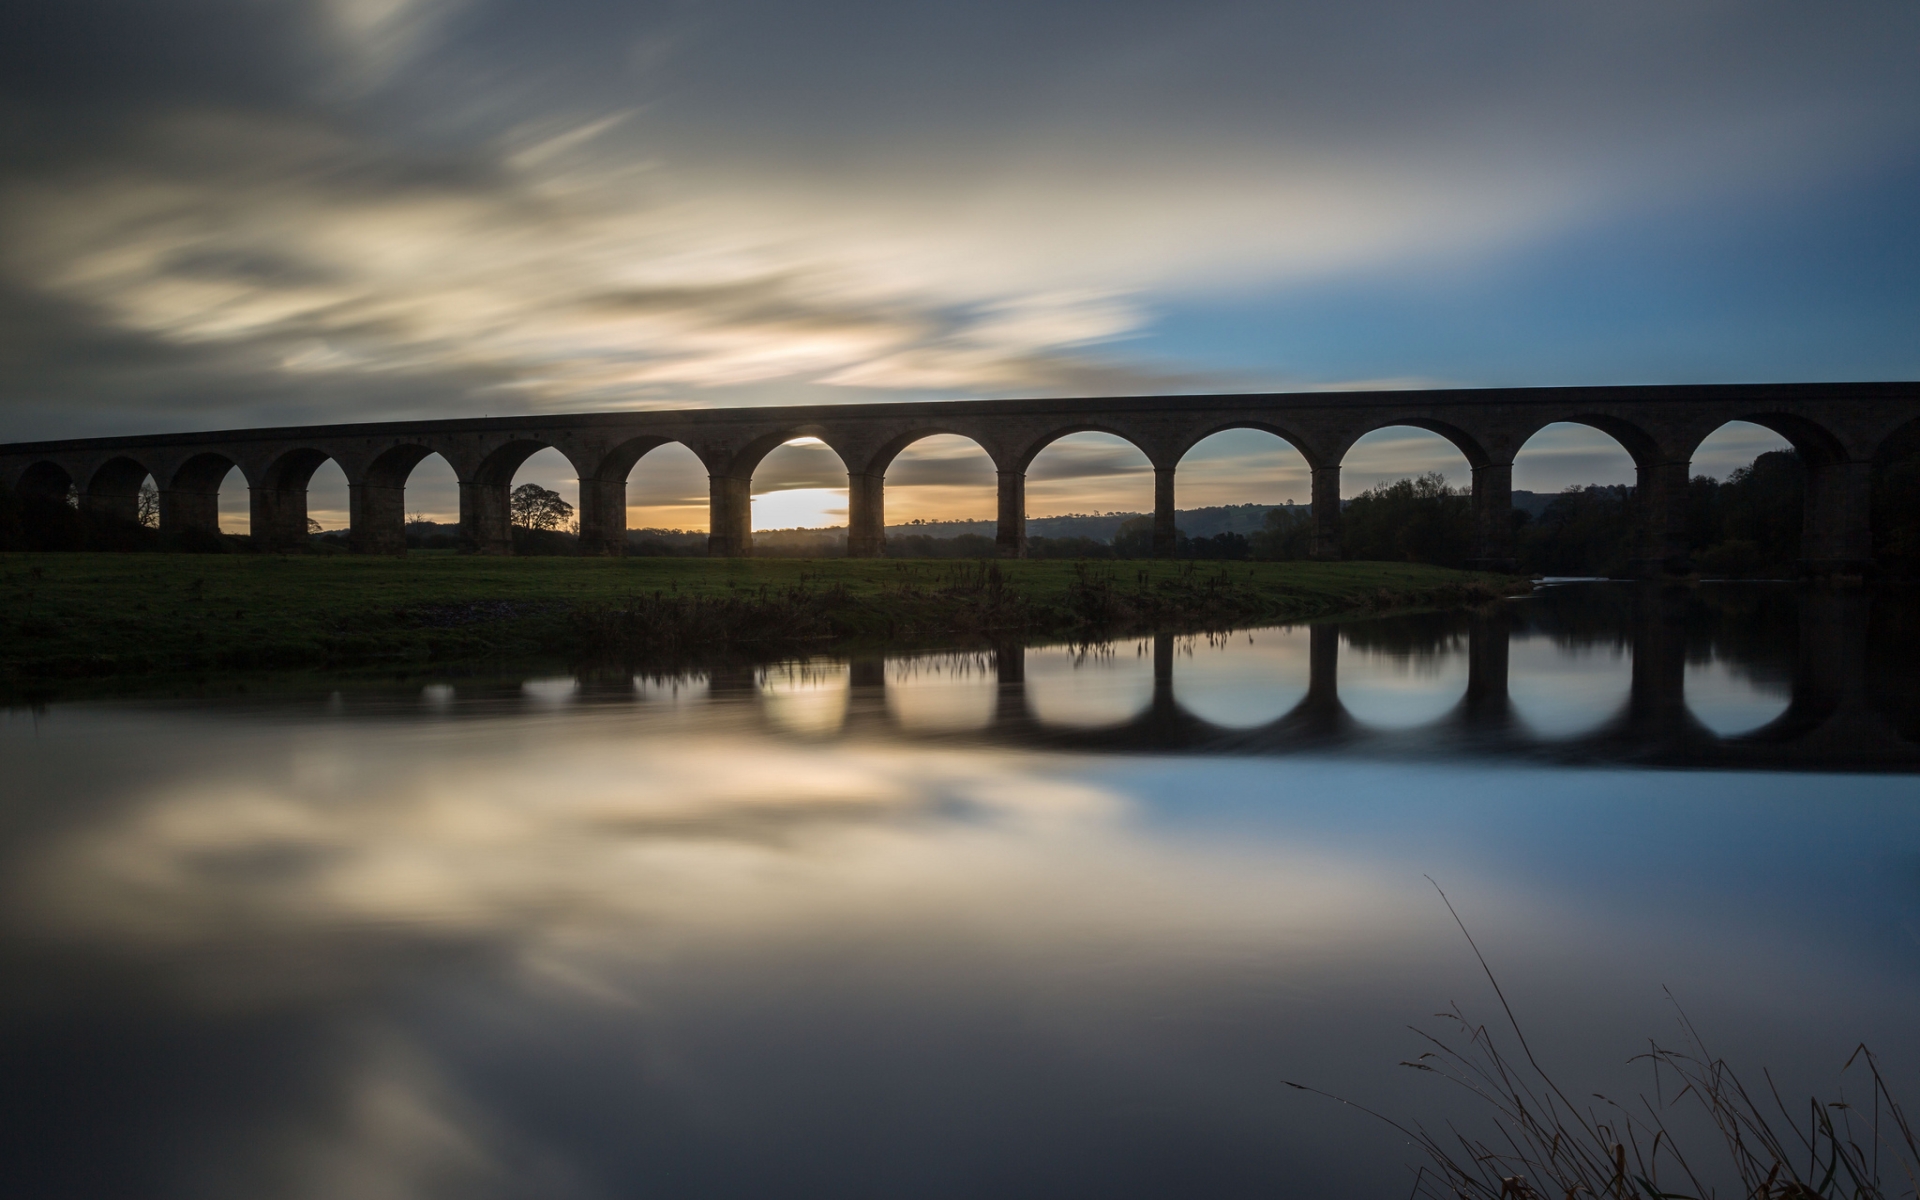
{"points": [[1838, 429]]}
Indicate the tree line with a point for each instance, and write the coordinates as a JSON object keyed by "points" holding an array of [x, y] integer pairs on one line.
{"points": [[1747, 526]]}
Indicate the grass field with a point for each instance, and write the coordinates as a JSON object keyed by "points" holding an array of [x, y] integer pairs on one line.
{"points": [[100, 615]]}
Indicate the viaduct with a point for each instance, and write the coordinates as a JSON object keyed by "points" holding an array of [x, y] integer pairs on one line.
{"points": [[1838, 429]]}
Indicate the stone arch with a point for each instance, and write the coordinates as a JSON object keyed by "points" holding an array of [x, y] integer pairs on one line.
{"points": [[883, 458], [730, 515], [1641, 446], [190, 497], [1034, 448], [1659, 494], [1548, 549], [392, 466], [551, 468], [113, 490], [1165, 488], [278, 500], [866, 532], [746, 460], [327, 497], [802, 468], [486, 520], [292, 468], [1469, 446], [45, 478], [377, 499], [603, 494], [620, 461], [1638, 445], [1815, 443], [1012, 535], [1069, 494], [1836, 532], [502, 461], [1492, 493], [1289, 436]]}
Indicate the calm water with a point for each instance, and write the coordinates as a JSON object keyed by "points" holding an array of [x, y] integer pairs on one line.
{"points": [[1043, 923]]}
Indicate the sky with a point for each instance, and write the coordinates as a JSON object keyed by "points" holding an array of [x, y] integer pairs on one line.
{"points": [[222, 213]]}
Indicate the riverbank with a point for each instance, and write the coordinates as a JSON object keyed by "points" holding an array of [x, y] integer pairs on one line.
{"points": [[100, 616]]}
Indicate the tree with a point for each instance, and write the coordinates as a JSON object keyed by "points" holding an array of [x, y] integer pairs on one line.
{"points": [[147, 507], [1229, 546], [1584, 531], [1134, 538], [1288, 534], [1411, 520], [313, 527], [534, 507], [1750, 524]]}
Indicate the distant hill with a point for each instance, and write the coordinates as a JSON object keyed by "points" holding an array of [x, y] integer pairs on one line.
{"points": [[1533, 503], [1195, 522], [1101, 527]]}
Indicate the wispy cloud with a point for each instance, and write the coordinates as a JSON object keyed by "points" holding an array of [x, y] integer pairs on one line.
{"points": [[350, 207]]}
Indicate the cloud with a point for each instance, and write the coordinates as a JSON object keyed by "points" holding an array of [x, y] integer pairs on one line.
{"points": [[1089, 456], [944, 461], [349, 208]]}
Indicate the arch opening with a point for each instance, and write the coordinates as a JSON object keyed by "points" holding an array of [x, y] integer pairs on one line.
{"points": [[236, 515], [1089, 494], [1574, 502], [1395, 452], [667, 502], [1747, 503], [328, 513], [1407, 496], [1244, 492], [942, 499], [430, 514], [542, 497], [799, 501], [1734, 446]]}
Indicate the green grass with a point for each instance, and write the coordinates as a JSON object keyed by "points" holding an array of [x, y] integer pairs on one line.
{"points": [[102, 615]]}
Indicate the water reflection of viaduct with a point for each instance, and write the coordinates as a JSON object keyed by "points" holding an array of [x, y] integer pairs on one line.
{"points": [[1838, 428], [1829, 722]]}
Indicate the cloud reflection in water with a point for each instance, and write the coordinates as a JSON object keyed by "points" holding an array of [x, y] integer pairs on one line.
{"points": [[748, 935]]}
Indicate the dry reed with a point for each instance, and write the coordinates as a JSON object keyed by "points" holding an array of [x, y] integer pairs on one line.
{"points": [[1548, 1147]]}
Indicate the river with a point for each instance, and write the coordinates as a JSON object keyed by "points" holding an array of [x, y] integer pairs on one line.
{"points": [[1029, 922]]}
